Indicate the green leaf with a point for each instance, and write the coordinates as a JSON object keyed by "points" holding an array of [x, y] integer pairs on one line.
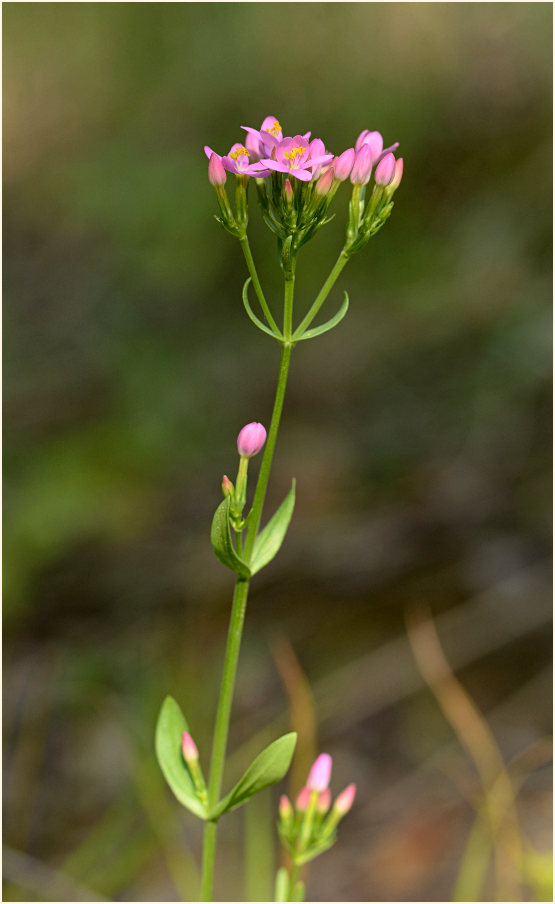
{"points": [[282, 884], [220, 535], [268, 768], [269, 540], [328, 325], [257, 322], [169, 731]]}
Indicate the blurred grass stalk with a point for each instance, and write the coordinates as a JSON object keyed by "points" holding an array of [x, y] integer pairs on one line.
{"points": [[497, 821]]}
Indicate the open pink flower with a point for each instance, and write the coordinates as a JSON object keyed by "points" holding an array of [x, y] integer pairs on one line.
{"points": [[262, 141], [237, 161], [294, 157]]}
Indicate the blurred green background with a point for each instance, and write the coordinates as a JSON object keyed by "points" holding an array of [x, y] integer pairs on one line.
{"points": [[418, 432]]}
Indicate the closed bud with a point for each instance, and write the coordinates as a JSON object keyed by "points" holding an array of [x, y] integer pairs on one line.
{"points": [[385, 170], [373, 141], [216, 172], [227, 486], [343, 164], [251, 439], [344, 801], [324, 183], [285, 808], [189, 748], [362, 167], [397, 176], [319, 776], [324, 801], [303, 799], [288, 191]]}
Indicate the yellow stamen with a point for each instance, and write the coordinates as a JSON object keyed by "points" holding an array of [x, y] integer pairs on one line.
{"points": [[275, 128], [293, 154], [235, 154]]}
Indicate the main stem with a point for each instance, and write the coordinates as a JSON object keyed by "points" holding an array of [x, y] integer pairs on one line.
{"points": [[238, 615]]}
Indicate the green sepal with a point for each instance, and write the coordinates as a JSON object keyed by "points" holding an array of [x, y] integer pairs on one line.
{"points": [[315, 850], [257, 322], [220, 536], [268, 768], [281, 886], [169, 731], [328, 325], [269, 540]]}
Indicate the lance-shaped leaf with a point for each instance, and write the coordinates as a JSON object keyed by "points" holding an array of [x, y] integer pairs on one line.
{"points": [[268, 768], [269, 540], [169, 732], [328, 325], [257, 322], [220, 535]]}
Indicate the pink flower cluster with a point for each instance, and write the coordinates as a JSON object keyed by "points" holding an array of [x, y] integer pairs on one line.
{"points": [[266, 150], [318, 781]]}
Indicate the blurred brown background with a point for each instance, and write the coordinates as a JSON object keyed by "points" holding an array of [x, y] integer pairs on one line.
{"points": [[418, 432]]}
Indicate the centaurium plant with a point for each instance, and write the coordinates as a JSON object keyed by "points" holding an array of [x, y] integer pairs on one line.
{"points": [[296, 180]]}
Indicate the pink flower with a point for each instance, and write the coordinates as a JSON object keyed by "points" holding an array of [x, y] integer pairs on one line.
{"points": [[344, 801], [236, 161], [303, 799], [189, 748], [262, 141], [385, 170], [293, 156], [324, 801], [396, 181], [319, 776], [216, 171], [374, 141], [251, 439], [362, 167], [325, 182], [343, 164]]}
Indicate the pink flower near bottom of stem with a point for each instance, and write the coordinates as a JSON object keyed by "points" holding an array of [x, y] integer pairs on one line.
{"points": [[344, 801], [190, 751], [319, 775], [251, 439], [303, 799], [324, 801]]}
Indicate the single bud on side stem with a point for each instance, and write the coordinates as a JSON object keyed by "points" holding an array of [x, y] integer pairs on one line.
{"points": [[324, 802], [385, 170], [344, 801], [288, 191], [362, 167], [216, 172], [324, 183], [397, 176], [251, 439], [190, 751], [343, 164]]}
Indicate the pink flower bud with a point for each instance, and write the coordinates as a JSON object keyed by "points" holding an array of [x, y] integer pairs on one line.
{"points": [[371, 140], [395, 182], [385, 170], [319, 776], [343, 164], [189, 748], [285, 808], [251, 439], [344, 801], [227, 486], [324, 801], [216, 171], [288, 191], [362, 167], [324, 183], [303, 799]]}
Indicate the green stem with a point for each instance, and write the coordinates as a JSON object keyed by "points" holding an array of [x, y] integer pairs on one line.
{"points": [[322, 294], [288, 300], [262, 483], [244, 242], [221, 730], [235, 631], [293, 879]]}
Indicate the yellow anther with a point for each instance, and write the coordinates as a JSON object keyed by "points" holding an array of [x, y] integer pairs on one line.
{"points": [[235, 154], [294, 153], [275, 128]]}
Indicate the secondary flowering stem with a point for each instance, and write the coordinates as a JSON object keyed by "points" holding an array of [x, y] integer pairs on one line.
{"points": [[244, 242], [322, 294]]}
